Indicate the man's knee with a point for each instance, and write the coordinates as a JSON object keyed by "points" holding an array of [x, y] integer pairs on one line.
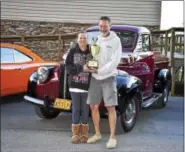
{"points": [[94, 107], [110, 108]]}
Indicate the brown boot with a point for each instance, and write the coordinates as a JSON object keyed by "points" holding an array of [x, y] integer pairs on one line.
{"points": [[75, 131], [84, 133]]}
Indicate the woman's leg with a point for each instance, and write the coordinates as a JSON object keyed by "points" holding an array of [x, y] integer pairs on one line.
{"points": [[75, 117], [84, 109], [75, 107], [84, 118]]}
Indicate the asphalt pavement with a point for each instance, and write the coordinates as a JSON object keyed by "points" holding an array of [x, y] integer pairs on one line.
{"points": [[156, 130]]}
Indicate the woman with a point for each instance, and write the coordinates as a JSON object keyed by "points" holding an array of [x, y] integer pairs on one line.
{"points": [[78, 80]]}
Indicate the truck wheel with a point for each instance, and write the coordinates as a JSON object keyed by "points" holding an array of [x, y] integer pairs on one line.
{"points": [[129, 115], [46, 113], [163, 102]]}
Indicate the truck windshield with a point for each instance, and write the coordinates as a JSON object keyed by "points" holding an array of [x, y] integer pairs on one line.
{"points": [[127, 38], [90, 35]]}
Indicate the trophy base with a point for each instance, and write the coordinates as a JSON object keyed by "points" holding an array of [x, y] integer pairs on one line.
{"points": [[92, 64]]}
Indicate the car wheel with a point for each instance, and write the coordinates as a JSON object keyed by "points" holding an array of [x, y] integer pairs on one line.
{"points": [[46, 113], [164, 100], [129, 115]]}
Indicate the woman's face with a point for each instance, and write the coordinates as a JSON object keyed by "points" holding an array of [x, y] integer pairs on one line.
{"points": [[82, 39]]}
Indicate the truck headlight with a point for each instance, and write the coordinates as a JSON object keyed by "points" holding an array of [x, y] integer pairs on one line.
{"points": [[42, 74]]}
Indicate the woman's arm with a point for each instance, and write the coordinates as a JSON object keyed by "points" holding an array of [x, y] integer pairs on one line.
{"points": [[70, 66]]}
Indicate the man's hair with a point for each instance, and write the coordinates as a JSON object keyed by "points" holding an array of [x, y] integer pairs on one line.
{"points": [[105, 18]]}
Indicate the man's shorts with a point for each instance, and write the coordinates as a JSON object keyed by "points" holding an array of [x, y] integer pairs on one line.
{"points": [[106, 89]]}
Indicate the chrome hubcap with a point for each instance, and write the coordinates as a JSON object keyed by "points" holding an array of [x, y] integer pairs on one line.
{"points": [[130, 112], [165, 95]]}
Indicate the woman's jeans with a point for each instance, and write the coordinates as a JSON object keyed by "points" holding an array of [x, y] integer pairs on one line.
{"points": [[79, 108]]}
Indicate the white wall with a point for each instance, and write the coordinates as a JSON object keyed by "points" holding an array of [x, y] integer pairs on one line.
{"points": [[172, 14], [81, 11]]}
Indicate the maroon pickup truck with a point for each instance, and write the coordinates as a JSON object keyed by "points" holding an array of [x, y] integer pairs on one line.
{"points": [[143, 79]]}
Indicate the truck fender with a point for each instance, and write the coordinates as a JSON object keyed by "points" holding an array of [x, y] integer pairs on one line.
{"points": [[163, 77], [129, 87], [32, 83]]}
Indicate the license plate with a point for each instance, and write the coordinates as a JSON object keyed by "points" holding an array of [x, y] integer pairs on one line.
{"points": [[62, 104]]}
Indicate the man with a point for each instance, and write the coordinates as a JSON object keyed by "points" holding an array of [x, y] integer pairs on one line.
{"points": [[103, 81]]}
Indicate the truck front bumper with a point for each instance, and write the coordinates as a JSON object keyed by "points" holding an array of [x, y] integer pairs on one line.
{"points": [[47, 103], [34, 100]]}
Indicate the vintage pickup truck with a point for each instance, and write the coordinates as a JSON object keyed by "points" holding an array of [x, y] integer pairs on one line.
{"points": [[143, 79]]}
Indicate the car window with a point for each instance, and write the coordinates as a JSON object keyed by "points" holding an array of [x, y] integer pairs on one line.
{"points": [[127, 39], [20, 57], [7, 55], [145, 42]]}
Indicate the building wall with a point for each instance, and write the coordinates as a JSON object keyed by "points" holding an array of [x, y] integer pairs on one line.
{"points": [[81, 11], [33, 17]]}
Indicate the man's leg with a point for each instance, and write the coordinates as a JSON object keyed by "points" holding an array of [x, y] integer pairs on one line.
{"points": [[95, 118], [110, 99], [94, 99], [96, 121], [112, 120]]}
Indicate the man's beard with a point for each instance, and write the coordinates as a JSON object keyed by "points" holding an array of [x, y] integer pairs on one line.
{"points": [[105, 34]]}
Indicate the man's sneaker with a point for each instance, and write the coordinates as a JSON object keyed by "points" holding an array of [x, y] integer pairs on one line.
{"points": [[111, 143], [94, 139]]}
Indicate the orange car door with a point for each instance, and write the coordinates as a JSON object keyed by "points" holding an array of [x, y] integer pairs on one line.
{"points": [[10, 72], [23, 60]]}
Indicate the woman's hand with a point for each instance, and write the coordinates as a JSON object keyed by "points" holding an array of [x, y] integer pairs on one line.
{"points": [[85, 68], [93, 70]]}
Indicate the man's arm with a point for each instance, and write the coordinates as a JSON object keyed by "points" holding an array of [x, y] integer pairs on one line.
{"points": [[114, 60]]}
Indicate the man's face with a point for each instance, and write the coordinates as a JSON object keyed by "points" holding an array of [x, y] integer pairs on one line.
{"points": [[104, 27]]}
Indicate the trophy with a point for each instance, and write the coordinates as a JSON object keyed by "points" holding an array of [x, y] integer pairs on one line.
{"points": [[95, 49]]}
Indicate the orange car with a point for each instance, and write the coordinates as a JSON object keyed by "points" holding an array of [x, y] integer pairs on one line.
{"points": [[17, 64]]}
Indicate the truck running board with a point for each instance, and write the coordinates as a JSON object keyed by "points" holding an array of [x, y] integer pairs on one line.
{"points": [[154, 98]]}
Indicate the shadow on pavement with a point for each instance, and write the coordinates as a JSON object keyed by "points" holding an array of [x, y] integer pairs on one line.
{"points": [[12, 99]]}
